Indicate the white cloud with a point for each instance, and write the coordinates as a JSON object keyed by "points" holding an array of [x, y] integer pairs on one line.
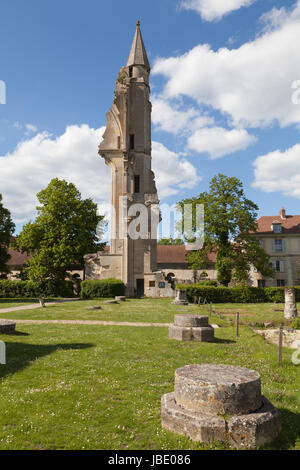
{"points": [[211, 10], [279, 171], [73, 156], [169, 117], [218, 141], [251, 85], [172, 172], [34, 162], [30, 128]]}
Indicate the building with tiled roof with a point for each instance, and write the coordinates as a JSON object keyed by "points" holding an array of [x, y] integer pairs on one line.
{"points": [[171, 260], [280, 237]]}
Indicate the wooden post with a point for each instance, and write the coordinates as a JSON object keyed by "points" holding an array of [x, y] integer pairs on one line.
{"points": [[237, 323], [280, 344], [199, 300]]}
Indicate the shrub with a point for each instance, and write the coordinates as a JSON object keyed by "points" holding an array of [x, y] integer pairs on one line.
{"points": [[96, 289], [34, 289], [295, 324], [235, 294], [208, 283]]}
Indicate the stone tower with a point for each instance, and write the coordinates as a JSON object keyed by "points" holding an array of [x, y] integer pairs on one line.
{"points": [[126, 148]]}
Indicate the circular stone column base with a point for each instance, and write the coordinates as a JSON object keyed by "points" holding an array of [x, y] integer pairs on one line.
{"points": [[218, 389], [246, 431], [190, 320], [7, 327]]}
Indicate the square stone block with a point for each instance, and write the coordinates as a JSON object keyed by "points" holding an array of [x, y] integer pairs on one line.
{"points": [[201, 334], [255, 429], [197, 426]]}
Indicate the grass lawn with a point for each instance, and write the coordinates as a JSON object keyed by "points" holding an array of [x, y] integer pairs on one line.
{"points": [[99, 387], [149, 310]]}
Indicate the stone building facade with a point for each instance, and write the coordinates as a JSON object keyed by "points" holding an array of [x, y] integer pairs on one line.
{"points": [[280, 237], [126, 149]]}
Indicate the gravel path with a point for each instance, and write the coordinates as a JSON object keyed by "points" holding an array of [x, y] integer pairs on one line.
{"points": [[89, 322], [32, 306]]}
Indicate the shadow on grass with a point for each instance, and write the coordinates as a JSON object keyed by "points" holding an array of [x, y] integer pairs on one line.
{"points": [[18, 333], [21, 355], [223, 341], [290, 432]]}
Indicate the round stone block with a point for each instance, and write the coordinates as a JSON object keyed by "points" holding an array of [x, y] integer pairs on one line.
{"points": [[190, 320], [218, 389], [120, 298], [290, 308], [7, 326]]}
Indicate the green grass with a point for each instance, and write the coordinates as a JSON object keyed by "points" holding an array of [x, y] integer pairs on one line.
{"points": [[151, 310], [99, 387], [254, 313]]}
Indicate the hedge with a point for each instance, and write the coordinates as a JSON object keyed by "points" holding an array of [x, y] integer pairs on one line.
{"points": [[34, 289], [208, 283], [96, 289], [236, 294]]}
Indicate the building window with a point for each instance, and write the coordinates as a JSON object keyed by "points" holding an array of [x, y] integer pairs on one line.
{"points": [[279, 266], [277, 228], [136, 184], [161, 285], [261, 283], [131, 141], [280, 282], [278, 245], [151, 283], [130, 72]]}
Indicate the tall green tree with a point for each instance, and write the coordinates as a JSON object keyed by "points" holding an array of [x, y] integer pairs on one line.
{"points": [[66, 228], [7, 228], [229, 224]]}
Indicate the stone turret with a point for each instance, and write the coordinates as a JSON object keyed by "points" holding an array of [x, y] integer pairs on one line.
{"points": [[126, 149]]}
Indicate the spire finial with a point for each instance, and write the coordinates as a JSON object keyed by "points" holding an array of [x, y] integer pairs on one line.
{"points": [[138, 55], [138, 23]]}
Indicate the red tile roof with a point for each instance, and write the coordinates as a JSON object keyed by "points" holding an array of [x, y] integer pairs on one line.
{"points": [[167, 254], [17, 258], [171, 254], [289, 225]]}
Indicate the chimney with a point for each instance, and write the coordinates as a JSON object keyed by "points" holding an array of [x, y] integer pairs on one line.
{"points": [[282, 214]]}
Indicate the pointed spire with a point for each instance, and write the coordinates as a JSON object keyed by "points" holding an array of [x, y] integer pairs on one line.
{"points": [[138, 55]]}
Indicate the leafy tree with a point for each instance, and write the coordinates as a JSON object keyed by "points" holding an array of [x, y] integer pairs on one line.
{"points": [[64, 231], [170, 241], [7, 228], [229, 224]]}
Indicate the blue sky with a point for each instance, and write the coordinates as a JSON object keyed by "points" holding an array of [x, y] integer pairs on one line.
{"points": [[221, 83]]}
